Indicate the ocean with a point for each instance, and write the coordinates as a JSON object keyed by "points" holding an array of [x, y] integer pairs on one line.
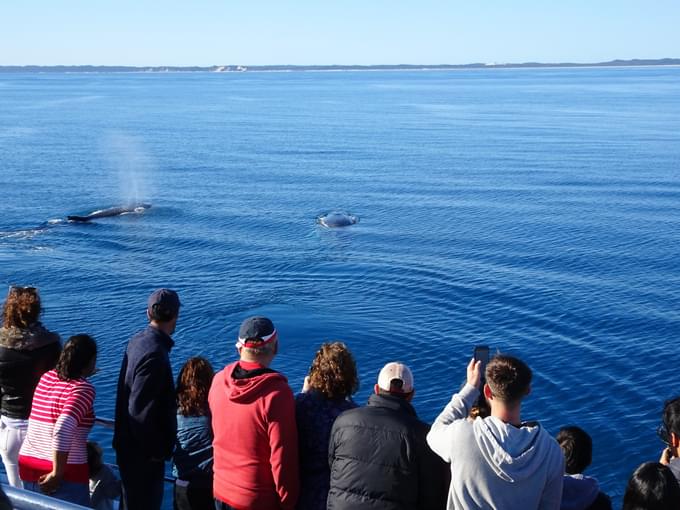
{"points": [[536, 211]]}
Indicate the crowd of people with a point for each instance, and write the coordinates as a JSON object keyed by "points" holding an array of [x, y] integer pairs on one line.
{"points": [[240, 439]]}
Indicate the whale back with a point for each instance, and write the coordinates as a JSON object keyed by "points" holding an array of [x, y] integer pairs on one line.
{"points": [[335, 219], [111, 211]]}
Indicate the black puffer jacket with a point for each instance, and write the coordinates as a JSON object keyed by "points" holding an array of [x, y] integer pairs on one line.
{"points": [[25, 355], [380, 460]]}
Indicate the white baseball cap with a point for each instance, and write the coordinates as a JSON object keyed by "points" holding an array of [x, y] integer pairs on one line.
{"points": [[395, 370]]}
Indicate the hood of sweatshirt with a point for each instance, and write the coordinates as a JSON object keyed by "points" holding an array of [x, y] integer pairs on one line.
{"points": [[514, 453], [29, 339], [244, 386], [578, 492]]}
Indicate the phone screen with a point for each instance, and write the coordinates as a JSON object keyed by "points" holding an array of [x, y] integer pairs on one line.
{"points": [[481, 353]]}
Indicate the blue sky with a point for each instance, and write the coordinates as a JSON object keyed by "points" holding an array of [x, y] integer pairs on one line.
{"points": [[303, 32]]}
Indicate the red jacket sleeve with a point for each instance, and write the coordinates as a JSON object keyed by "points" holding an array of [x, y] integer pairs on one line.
{"points": [[283, 444]]}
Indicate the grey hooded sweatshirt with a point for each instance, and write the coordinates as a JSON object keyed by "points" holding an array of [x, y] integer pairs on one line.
{"points": [[495, 465]]}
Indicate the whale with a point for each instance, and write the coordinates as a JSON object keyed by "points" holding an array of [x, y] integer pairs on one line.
{"points": [[111, 211], [335, 219]]}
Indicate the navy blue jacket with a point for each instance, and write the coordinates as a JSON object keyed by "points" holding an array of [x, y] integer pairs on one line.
{"points": [[315, 415], [145, 402]]}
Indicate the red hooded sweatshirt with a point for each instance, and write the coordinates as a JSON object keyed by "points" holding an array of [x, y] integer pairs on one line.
{"points": [[255, 445]]}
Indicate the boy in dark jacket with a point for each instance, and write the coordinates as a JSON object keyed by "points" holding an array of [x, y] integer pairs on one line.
{"points": [[378, 454], [145, 428], [580, 492]]}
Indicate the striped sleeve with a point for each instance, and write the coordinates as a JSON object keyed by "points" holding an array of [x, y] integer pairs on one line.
{"points": [[79, 402], [64, 431], [76, 409]]}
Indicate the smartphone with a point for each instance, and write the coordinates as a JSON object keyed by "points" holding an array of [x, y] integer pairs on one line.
{"points": [[481, 353]]}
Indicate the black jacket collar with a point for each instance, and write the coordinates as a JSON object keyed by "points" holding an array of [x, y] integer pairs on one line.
{"points": [[391, 402]]}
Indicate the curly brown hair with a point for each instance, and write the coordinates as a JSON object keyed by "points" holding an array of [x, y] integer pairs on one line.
{"points": [[193, 385], [22, 307], [334, 372]]}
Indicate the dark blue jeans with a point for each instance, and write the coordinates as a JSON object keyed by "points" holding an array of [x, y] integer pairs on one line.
{"points": [[142, 483]]}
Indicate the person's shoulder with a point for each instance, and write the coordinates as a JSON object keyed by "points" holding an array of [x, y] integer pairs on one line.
{"points": [[88, 386], [82, 387], [147, 343], [83, 383], [602, 502], [278, 385], [220, 374], [553, 452], [353, 416]]}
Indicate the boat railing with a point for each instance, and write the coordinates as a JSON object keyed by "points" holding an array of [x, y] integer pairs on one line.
{"points": [[27, 500], [104, 422], [109, 424]]}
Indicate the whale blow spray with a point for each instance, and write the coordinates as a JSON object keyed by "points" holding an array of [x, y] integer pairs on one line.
{"points": [[128, 157]]}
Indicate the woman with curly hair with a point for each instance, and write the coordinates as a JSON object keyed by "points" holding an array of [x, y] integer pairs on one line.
{"points": [[193, 457], [327, 392], [53, 458], [27, 351]]}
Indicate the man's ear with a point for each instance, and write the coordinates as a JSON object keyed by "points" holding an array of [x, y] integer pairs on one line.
{"points": [[675, 440], [148, 314], [487, 392], [529, 390], [376, 388]]}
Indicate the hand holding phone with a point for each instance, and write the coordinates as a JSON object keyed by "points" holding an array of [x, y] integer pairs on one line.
{"points": [[481, 353]]}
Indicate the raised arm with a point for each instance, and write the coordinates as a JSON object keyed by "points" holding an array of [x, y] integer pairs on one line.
{"points": [[439, 437]]}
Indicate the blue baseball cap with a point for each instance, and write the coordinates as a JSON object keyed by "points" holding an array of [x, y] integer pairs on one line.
{"points": [[165, 299]]}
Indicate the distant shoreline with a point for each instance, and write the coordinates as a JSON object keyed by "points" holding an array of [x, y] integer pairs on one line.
{"points": [[664, 62]]}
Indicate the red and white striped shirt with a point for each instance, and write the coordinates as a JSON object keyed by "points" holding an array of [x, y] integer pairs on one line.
{"points": [[61, 418]]}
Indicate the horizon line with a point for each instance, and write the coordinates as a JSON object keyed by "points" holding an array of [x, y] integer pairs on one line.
{"points": [[668, 60]]}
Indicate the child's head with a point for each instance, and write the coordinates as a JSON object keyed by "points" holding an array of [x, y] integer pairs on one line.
{"points": [[94, 457], [193, 384], [652, 486], [577, 447]]}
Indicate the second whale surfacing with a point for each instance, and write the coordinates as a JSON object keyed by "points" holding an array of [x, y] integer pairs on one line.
{"points": [[111, 211], [335, 219]]}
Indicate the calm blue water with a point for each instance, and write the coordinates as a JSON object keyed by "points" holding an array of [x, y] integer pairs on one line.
{"points": [[537, 211]]}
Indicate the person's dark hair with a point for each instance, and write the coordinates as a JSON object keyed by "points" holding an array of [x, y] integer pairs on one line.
{"points": [[160, 313], [22, 307], [671, 416], [481, 408], [78, 353], [333, 372], [652, 487], [509, 378], [577, 446], [193, 385]]}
